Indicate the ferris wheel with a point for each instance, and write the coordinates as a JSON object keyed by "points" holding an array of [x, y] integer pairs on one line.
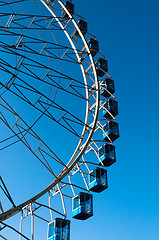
{"points": [[57, 112]]}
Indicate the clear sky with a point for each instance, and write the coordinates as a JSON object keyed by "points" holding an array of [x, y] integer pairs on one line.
{"points": [[128, 35]]}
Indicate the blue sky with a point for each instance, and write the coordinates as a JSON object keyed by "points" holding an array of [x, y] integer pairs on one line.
{"points": [[128, 36]]}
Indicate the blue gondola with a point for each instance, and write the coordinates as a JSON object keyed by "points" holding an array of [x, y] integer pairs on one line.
{"points": [[107, 155], [110, 109], [83, 27], [94, 46], [82, 206], [101, 66], [112, 131], [98, 180], [59, 229], [109, 85], [70, 7]]}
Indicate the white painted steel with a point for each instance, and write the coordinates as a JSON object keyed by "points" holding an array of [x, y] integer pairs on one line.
{"points": [[78, 153]]}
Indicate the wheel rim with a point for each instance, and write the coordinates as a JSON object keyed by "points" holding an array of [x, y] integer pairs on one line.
{"points": [[79, 151]]}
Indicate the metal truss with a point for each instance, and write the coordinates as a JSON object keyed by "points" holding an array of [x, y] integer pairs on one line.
{"points": [[34, 80]]}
